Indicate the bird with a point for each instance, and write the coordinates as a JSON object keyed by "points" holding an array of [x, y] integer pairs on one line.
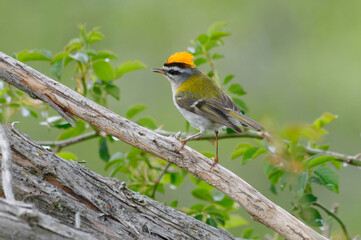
{"points": [[200, 100]]}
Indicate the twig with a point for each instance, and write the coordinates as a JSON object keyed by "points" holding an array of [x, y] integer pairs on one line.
{"points": [[335, 217], [64, 143], [6, 165], [351, 160], [209, 135], [327, 230], [156, 183]]}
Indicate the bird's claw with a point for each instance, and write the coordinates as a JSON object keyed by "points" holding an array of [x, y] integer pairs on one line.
{"points": [[215, 162], [183, 144]]}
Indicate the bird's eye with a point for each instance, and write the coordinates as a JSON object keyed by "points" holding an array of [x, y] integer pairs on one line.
{"points": [[173, 72]]}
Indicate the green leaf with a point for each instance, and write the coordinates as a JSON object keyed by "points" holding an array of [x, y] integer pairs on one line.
{"points": [[236, 89], [218, 35], [217, 56], [211, 222], [247, 233], [252, 153], [227, 79], [174, 204], [103, 150], [198, 207], [57, 68], [176, 179], [113, 91], [72, 132], [74, 45], [80, 56], [105, 54], [318, 159], [59, 56], [104, 70], [324, 119], [329, 178], [202, 194], [203, 38], [111, 162], [67, 156], [200, 61], [135, 110], [216, 27], [308, 199], [235, 221], [337, 164], [302, 180], [199, 217], [211, 44], [273, 173], [147, 122], [94, 36], [240, 150], [226, 202], [128, 66], [34, 55], [311, 216]]}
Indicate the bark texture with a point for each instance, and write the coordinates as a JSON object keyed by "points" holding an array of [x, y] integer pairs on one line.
{"points": [[58, 189], [71, 103]]}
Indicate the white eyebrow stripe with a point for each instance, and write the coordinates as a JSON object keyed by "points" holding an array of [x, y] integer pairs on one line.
{"points": [[175, 68]]}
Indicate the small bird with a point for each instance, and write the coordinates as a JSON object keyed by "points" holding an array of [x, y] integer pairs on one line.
{"points": [[200, 100]]}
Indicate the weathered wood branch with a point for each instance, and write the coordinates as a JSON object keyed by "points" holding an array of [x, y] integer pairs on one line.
{"points": [[21, 221], [259, 207], [108, 210]]}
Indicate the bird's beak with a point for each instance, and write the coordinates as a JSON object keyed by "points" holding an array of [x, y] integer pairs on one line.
{"points": [[158, 70]]}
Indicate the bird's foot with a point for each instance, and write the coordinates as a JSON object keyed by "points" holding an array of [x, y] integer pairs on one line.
{"points": [[183, 142], [215, 162]]}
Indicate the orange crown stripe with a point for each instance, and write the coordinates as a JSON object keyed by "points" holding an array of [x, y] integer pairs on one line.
{"points": [[182, 57]]}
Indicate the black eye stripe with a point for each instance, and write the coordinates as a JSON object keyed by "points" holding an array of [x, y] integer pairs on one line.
{"points": [[173, 72]]}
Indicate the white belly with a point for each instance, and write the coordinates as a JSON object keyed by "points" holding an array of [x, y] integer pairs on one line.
{"points": [[197, 121]]}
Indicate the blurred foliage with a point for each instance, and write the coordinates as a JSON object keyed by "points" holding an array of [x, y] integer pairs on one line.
{"points": [[287, 165]]}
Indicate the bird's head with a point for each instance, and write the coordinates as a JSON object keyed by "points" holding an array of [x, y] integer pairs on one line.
{"points": [[178, 68]]}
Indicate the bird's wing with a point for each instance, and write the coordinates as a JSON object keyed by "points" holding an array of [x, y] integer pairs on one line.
{"points": [[232, 110], [219, 110], [209, 108]]}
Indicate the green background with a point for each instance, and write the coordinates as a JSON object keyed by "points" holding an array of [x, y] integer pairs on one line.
{"points": [[295, 59]]}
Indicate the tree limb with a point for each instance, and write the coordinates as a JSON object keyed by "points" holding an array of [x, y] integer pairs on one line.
{"points": [[259, 207], [73, 195], [6, 165]]}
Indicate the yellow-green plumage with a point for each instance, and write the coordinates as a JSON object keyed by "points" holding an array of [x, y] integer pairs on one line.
{"points": [[200, 86]]}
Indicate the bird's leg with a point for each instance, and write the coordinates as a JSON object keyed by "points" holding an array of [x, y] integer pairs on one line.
{"points": [[216, 158], [184, 141]]}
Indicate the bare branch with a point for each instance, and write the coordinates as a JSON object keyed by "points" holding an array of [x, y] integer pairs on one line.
{"points": [[334, 216], [6, 165], [156, 183], [352, 160], [70, 141], [259, 207]]}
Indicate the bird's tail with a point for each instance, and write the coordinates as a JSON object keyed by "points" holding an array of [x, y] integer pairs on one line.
{"points": [[245, 120]]}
